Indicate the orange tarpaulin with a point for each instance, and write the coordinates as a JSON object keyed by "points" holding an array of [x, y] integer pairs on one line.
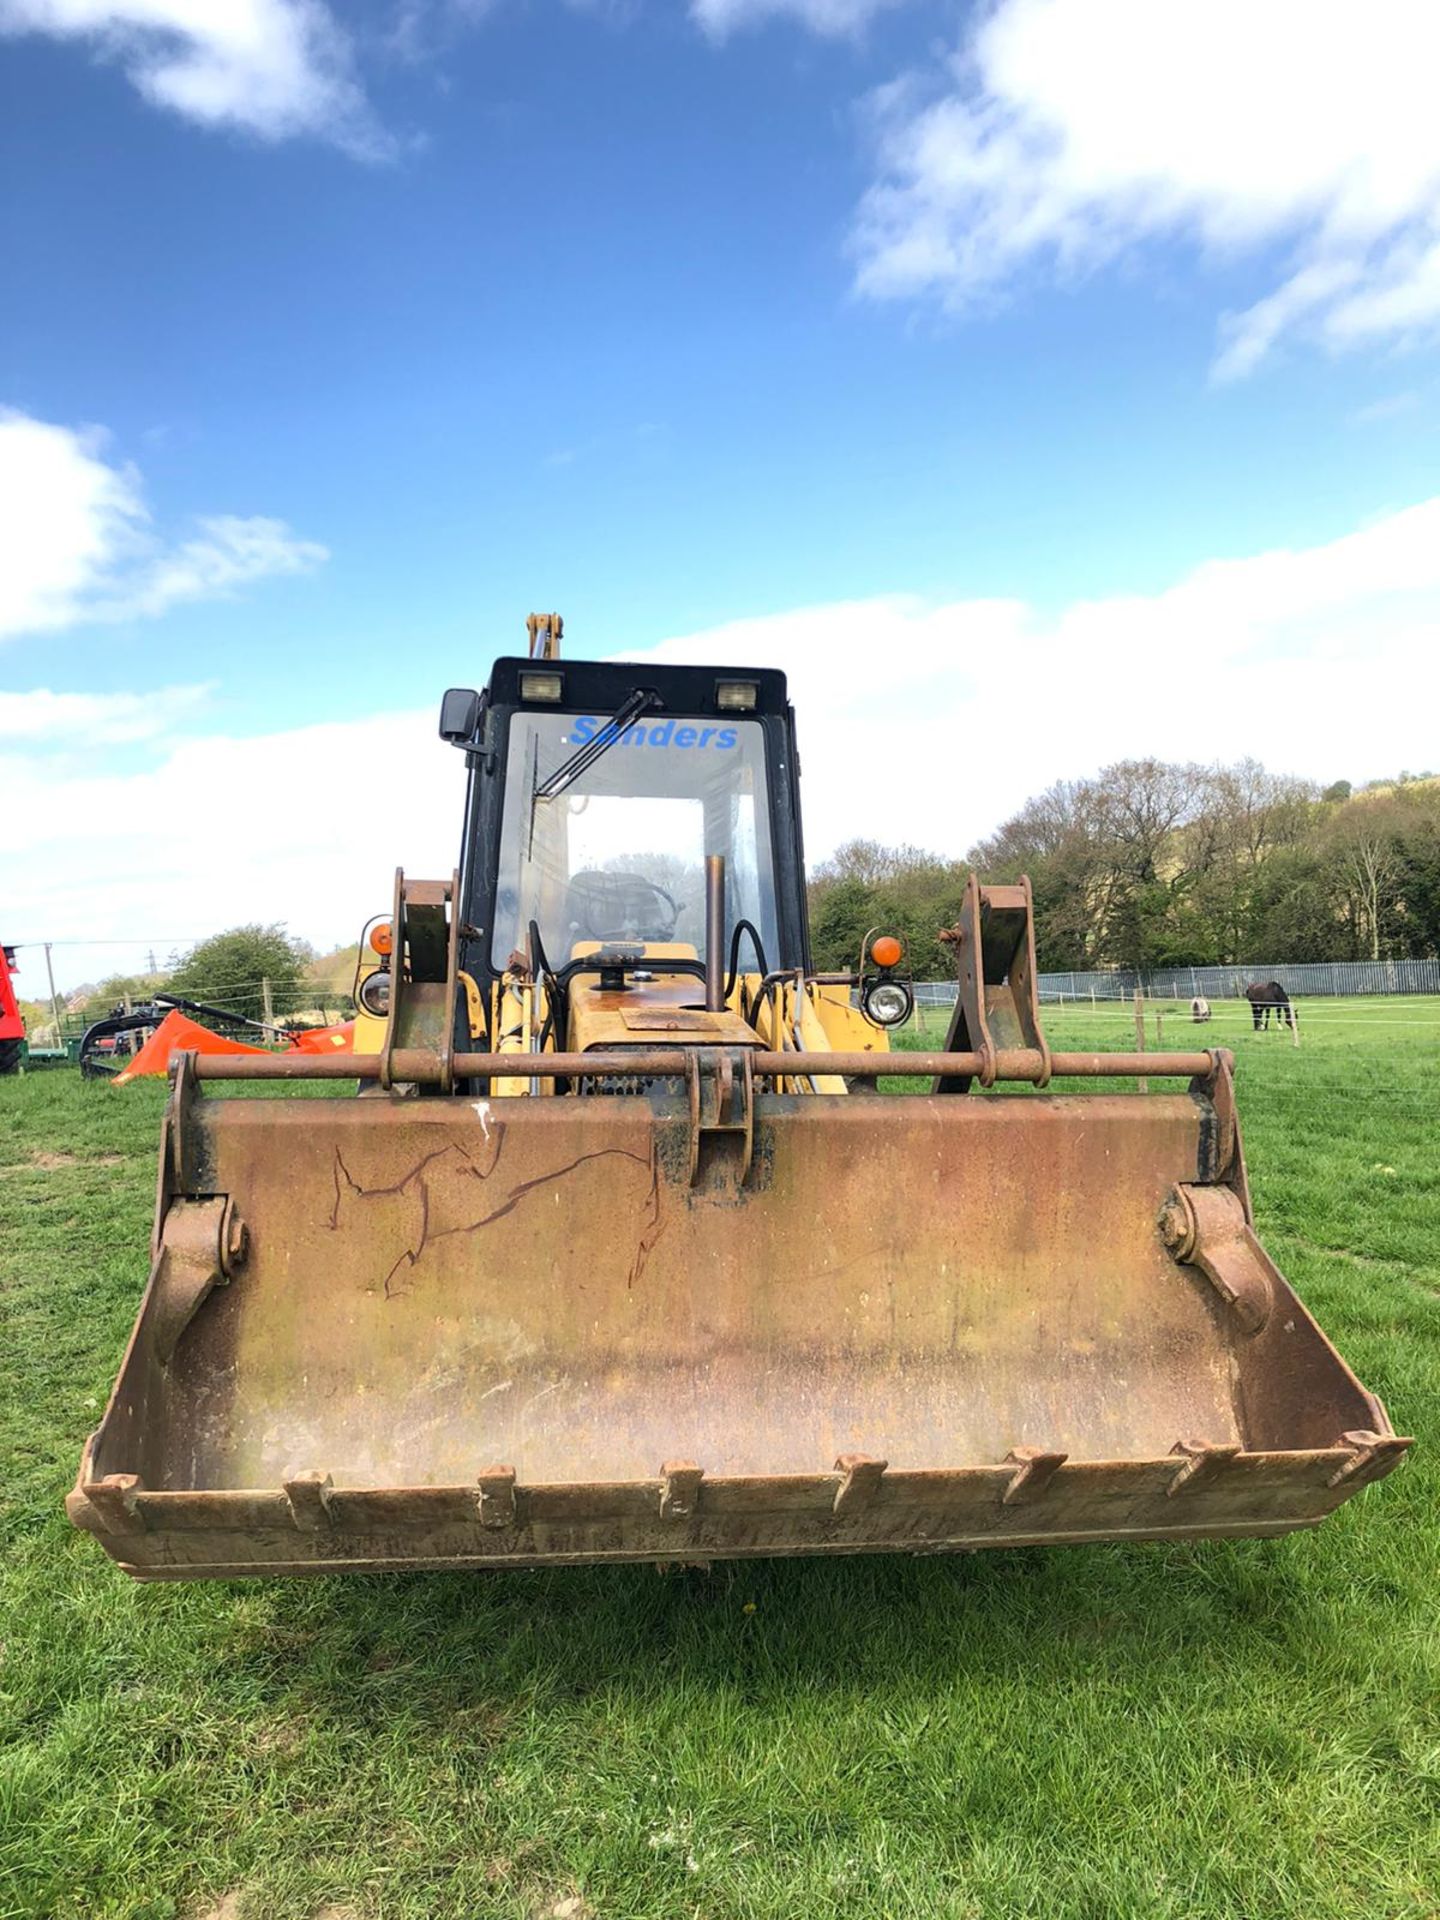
{"points": [[339, 1039], [178, 1033]]}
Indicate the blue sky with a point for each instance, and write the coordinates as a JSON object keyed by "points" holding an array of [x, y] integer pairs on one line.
{"points": [[931, 344]]}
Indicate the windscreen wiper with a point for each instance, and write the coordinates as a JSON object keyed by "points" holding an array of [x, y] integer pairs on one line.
{"points": [[642, 700]]}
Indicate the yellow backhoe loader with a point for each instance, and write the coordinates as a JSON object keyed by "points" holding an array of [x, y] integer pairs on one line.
{"points": [[621, 1257]]}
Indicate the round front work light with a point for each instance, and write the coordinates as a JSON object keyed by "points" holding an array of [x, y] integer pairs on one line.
{"points": [[374, 994], [886, 951], [382, 939], [887, 1002]]}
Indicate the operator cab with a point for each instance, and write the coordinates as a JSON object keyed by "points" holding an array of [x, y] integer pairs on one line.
{"points": [[597, 793]]}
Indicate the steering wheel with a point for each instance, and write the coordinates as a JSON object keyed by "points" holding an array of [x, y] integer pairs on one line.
{"points": [[621, 906]]}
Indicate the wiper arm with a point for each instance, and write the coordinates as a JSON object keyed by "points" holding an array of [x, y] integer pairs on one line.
{"points": [[641, 701]]}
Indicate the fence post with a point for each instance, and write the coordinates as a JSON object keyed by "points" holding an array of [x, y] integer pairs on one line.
{"points": [[1140, 1032], [266, 1004]]}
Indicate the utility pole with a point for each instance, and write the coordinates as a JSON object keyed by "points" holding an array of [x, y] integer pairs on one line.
{"points": [[54, 997], [151, 958]]}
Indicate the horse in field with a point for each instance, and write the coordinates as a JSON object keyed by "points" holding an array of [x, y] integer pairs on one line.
{"points": [[1267, 997]]}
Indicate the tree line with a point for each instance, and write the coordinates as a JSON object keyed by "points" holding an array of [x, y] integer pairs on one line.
{"points": [[1146, 865], [1151, 864], [228, 970]]}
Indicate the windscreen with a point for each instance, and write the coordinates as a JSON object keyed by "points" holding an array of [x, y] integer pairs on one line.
{"points": [[619, 854]]}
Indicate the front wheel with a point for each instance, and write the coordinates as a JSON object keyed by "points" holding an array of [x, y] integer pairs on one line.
{"points": [[10, 1055]]}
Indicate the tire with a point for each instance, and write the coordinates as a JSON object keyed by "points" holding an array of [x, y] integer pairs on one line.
{"points": [[10, 1055]]}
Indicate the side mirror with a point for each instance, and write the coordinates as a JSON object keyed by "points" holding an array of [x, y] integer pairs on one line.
{"points": [[459, 715]]}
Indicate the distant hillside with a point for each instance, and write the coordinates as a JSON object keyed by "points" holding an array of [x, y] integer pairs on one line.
{"points": [[334, 973], [1407, 783]]}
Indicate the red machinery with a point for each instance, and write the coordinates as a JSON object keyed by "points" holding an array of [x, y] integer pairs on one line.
{"points": [[126, 1045], [12, 1027], [178, 1033]]}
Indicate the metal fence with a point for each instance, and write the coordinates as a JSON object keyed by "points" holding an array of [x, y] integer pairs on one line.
{"points": [[934, 993], [1337, 978]]}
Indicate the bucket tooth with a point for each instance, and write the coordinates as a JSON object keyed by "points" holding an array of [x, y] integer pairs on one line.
{"points": [[859, 1481], [496, 1496], [1372, 1456], [114, 1500], [1201, 1463], [1034, 1470], [308, 1493], [679, 1489]]}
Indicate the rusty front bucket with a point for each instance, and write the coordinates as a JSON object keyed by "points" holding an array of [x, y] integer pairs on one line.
{"points": [[454, 1332]]}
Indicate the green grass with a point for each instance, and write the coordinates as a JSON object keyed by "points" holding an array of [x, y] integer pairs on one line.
{"points": [[1168, 1732]]}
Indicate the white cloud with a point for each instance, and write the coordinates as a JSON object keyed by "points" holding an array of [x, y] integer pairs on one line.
{"points": [[86, 720], [271, 68], [1390, 406], [918, 721], [931, 722], [1069, 133], [228, 552], [833, 19], [220, 830], [76, 544]]}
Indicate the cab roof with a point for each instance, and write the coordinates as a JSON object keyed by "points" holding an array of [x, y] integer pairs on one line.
{"points": [[591, 685]]}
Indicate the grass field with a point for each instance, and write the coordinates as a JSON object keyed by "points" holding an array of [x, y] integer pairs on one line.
{"points": [[1166, 1732]]}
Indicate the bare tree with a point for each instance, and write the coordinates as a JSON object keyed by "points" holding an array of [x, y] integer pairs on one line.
{"points": [[1142, 803], [1364, 841], [874, 865]]}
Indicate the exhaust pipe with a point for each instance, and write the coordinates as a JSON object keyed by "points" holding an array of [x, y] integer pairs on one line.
{"points": [[714, 932]]}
